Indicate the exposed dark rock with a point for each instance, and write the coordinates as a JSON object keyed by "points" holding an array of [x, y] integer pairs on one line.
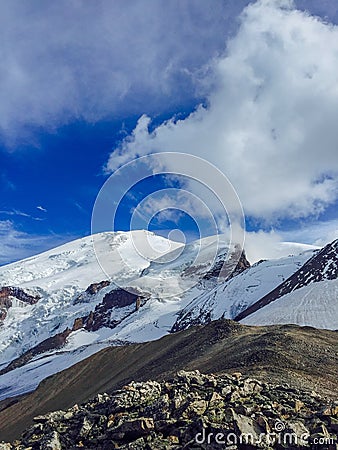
{"points": [[3, 314], [11, 291], [188, 319], [91, 290], [102, 316], [322, 266], [222, 268], [227, 268], [8, 293], [191, 411], [52, 343]]}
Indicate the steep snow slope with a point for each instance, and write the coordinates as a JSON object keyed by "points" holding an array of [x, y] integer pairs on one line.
{"points": [[315, 304], [60, 275], [76, 265], [230, 298], [322, 266]]}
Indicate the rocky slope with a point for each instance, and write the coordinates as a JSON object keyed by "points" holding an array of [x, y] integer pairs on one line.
{"points": [[322, 266], [192, 410], [301, 357], [230, 298]]}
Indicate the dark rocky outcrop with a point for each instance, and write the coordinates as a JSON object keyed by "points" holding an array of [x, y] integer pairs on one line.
{"points": [[227, 267], [191, 411], [322, 266], [223, 269], [101, 316], [51, 343], [8, 293], [91, 290]]}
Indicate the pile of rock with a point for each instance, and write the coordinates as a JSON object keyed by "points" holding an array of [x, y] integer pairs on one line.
{"points": [[192, 411]]}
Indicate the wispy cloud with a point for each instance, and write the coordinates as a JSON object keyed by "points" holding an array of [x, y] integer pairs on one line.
{"points": [[16, 212], [7, 183], [173, 205], [317, 233], [16, 244], [41, 208]]}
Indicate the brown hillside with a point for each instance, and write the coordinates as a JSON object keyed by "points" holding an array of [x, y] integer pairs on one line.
{"points": [[301, 356]]}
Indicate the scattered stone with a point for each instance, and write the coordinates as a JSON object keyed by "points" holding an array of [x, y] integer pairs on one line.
{"points": [[237, 375], [51, 441], [298, 405], [192, 411]]}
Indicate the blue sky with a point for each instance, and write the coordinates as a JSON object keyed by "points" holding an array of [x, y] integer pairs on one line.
{"points": [[85, 88]]}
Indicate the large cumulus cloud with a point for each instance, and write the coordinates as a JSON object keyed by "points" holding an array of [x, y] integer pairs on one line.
{"points": [[270, 122]]}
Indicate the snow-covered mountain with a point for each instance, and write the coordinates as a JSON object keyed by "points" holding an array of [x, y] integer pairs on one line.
{"points": [[59, 307], [58, 277], [79, 309], [308, 297], [230, 298]]}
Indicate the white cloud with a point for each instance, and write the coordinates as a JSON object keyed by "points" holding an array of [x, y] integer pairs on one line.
{"points": [[16, 212], [172, 205], [41, 208], [279, 243], [271, 245], [270, 124], [16, 244], [74, 59], [319, 233]]}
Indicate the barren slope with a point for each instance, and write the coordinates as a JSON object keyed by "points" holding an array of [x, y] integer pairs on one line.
{"points": [[301, 356]]}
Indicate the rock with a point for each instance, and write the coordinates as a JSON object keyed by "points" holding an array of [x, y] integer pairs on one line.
{"points": [[331, 410], [91, 290], [169, 415], [191, 377], [216, 399], [298, 405], [134, 428], [302, 433], [237, 375], [40, 419], [321, 430], [334, 424], [246, 426], [196, 408], [173, 439], [85, 428], [250, 386], [51, 441], [263, 424]]}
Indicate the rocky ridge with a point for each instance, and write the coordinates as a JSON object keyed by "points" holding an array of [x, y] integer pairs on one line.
{"points": [[191, 411], [322, 266]]}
